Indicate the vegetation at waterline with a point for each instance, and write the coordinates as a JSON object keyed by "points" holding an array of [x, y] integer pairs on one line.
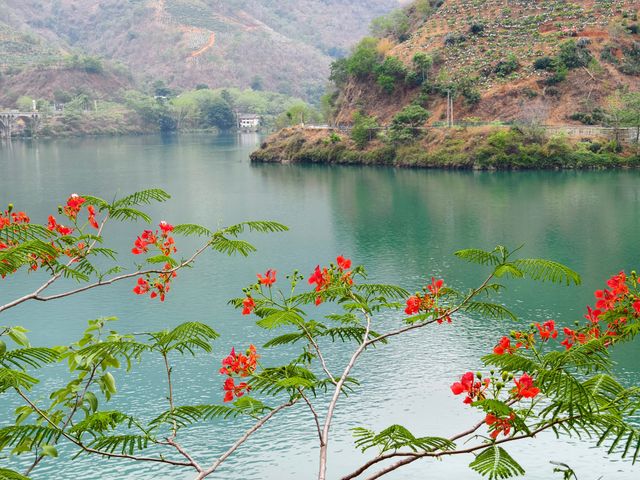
{"points": [[160, 108], [537, 377], [456, 148]]}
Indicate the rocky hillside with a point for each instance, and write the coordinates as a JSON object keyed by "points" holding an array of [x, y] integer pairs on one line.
{"points": [[542, 61], [284, 46], [474, 68]]}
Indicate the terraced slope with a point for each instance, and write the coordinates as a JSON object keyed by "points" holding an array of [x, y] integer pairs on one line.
{"points": [[490, 47]]}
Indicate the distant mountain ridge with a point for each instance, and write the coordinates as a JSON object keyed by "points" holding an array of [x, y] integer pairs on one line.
{"points": [[284, 45]]}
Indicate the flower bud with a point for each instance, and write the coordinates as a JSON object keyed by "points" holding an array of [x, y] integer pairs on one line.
{"points": [[478, 375], [60, 210], [505, 376], [10, 207]]}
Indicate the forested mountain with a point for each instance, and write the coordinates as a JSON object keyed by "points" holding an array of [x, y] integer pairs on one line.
{"points": [[284, 45]]}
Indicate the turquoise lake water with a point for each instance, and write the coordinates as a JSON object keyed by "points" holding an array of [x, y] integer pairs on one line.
{"points": [[403, 225]]}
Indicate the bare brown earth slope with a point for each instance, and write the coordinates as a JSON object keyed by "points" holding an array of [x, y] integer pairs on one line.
{"points": [[525, 30]]}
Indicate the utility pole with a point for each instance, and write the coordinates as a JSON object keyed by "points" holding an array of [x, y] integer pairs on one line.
{"points": [[449, 109]]}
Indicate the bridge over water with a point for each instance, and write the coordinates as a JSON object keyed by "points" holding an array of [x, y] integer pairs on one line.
{"points": [[9, 119]]}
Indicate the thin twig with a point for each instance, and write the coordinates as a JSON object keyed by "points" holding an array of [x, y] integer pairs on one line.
{"points": [[241, 440], [313, 412]]}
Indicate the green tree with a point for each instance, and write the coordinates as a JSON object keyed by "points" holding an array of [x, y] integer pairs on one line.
{"points": [[257, 83], [24, 103], [395, 24], [364, 58], [217, 113], [423, 64], [365, 129], [406, 125]]}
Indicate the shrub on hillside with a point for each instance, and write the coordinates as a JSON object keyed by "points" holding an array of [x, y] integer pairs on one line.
{"points": [[364, 129], [573, 55], [507, 66]]}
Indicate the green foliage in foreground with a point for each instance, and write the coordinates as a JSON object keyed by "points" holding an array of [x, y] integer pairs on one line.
{"points": [[534, 383]]}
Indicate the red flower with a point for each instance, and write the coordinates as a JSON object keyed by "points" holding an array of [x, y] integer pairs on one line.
{"points": [[239, 364], [524, 387], [92, 217], [547, 330], [413, 305], [571, 337], [142, 287], [232, 390], [74, 204], [320, 278], [20, 217], [165, 227], [268, 279], [343, 263], [474, 389], [504, 346], [52, 223], [499, 425], [593, 315], [249, 304], [636, 306], [435, 286]]}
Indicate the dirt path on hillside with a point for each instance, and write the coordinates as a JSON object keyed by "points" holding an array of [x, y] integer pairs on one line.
{"points": [[210, 43]]}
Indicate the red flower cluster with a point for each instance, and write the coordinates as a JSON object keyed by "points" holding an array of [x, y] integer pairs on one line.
{"points": [[613, 303], [324, 278], [160, 285], [504, 346], [268, 279], [473, 388], [163, 241], [498, 425], [73, 206], [524, 387], [248, 305], [547, 330], [241, 365], [54, 226], [428, 302]]}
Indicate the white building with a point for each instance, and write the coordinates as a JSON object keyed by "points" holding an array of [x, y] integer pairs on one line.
{"points": [[248, 121]]}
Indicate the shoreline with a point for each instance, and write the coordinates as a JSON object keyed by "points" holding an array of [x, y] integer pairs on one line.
{"points": [[489, 150]]}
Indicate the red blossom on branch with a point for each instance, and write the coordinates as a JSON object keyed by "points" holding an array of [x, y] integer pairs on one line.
{"points": [[248, 305], [524, 387], [234, 391], [268, 279], [547, 330], [73, 206], [498, 425], [474, 389]]}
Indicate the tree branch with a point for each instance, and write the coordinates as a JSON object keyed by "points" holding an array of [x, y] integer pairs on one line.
{"points": [[87, 449], [241, 440]]}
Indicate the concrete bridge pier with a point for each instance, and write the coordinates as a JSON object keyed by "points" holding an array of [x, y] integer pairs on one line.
{"points": [[8, 121]]}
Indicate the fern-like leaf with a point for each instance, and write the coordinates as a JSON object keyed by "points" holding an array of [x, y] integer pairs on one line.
{"points": [[547, 270], [481, 257], [495, 463]]}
